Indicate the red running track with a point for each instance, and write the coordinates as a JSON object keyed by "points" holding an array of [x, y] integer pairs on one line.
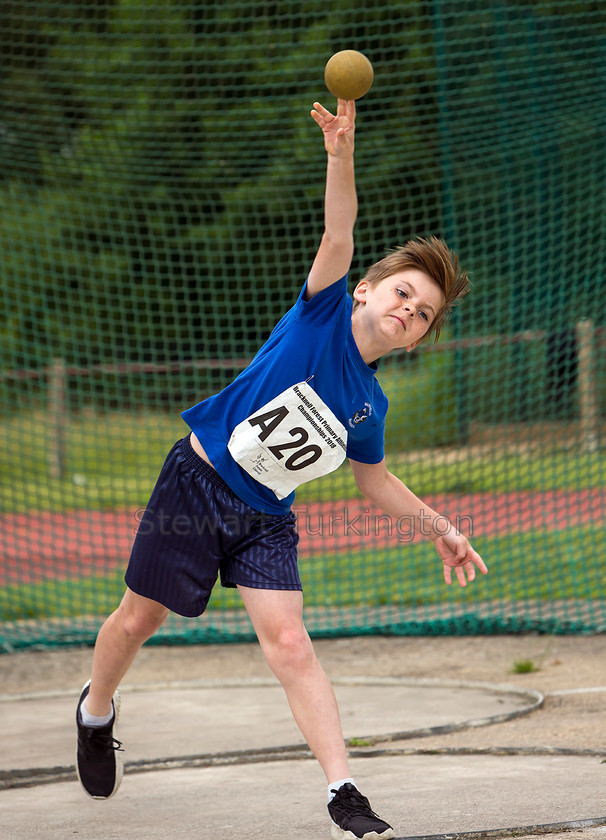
{"points": [[41, 545]]}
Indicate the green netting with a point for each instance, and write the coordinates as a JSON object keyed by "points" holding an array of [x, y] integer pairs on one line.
{"points": [[160, 203]]}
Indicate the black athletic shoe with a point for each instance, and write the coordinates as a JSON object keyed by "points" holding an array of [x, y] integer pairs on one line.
{"points": [[354, 819], [99, 755]]}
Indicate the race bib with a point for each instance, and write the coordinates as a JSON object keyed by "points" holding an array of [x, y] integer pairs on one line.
{"points": [[290, 440]]}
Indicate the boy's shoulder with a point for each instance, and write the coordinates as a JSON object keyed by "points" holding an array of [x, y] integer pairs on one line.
{"points": [[330, 296], [328, 311]]}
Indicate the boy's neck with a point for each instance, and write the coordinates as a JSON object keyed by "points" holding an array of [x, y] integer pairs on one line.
{"points": [[368, 350]]}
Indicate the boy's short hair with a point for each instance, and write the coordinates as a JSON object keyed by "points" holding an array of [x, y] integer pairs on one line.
{"points": [[433, 257]]}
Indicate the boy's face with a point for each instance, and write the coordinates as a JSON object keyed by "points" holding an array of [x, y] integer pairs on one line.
{"points": [[401, 308]]}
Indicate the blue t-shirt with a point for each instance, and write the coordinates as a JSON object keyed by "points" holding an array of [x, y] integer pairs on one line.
{"points": [[313, 344]]}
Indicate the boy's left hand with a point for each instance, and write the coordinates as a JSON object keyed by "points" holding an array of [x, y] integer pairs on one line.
{"points": [[457, 553], [338, 130]]}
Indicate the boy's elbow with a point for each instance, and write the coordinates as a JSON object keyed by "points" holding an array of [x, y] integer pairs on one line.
{"points": [[361, 485], [370, 492], [335, 255], [369, 478], [340, 244]]}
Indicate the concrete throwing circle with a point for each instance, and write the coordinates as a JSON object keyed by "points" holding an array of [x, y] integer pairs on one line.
{"points": [[161, 722]]}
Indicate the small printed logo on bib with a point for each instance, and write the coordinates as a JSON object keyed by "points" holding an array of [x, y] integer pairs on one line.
{"points": [[292, 439]]}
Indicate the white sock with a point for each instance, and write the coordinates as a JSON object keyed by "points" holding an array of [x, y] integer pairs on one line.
{"points": [[334, 787], [94, 720]]}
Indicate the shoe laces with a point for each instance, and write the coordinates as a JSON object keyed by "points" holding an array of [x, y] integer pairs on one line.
{"points": [[348, 801], [101, 743]]}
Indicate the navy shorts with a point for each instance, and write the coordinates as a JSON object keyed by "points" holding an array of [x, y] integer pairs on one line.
{"points": [[195, 528]]}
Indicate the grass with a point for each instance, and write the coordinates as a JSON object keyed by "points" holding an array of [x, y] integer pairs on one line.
{"points": [[538, 565], [96, 595], [112, 462], [495, 473], [530, 666], [524, 666]]}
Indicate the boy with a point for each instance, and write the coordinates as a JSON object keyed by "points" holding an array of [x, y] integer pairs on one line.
{"points": [[308, 399]]}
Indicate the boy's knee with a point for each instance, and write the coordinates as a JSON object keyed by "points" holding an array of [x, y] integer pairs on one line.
{"points": [[290, 647], [141, 623]]}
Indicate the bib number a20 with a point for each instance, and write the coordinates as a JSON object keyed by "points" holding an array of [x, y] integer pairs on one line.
{"points": [[304, 456], [292, 439]]}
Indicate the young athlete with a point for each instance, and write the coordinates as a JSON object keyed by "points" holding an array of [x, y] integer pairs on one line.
{"points": [[308, 400]]}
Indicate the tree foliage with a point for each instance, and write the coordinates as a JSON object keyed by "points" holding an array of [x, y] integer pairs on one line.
{"points": [[161, 181]]}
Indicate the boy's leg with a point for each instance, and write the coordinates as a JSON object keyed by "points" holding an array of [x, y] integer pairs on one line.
{"points": [[277, 616], [98, 756], [119, 640]]}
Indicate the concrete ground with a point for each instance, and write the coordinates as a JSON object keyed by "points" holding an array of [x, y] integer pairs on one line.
{"points": [[445, 739]]}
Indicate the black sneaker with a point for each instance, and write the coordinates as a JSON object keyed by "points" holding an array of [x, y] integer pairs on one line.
{"points": [[354, 819], [99, 755]]}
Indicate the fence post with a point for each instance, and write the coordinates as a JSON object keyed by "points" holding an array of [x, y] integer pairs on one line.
{"points": [[587, 385], [57, 418]]}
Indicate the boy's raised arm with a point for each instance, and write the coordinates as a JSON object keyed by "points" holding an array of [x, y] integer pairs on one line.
{"points": [[341, 203]]}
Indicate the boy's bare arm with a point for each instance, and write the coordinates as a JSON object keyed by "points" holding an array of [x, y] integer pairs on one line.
{"points": [[341, 203], [393, 497]]}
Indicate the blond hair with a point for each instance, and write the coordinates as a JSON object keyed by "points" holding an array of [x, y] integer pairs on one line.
{"points": [[434, 258]]}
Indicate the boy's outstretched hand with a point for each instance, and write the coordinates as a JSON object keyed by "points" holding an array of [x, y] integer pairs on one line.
{"points": [[456, 553], [338, 130]]}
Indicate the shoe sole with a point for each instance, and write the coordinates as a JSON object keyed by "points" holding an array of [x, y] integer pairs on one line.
{"points": [[118, 755], [338, 834]]}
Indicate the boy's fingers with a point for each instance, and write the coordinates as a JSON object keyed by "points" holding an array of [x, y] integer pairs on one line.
{"points": [[460, 572], [464, 564], [479, 562], [347, 108], [322, 110]]}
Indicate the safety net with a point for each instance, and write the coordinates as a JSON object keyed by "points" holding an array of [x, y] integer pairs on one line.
{"points": [[161, 201]]}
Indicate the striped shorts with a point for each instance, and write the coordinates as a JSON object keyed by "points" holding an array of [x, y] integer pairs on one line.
{"points": [[195, 528]]}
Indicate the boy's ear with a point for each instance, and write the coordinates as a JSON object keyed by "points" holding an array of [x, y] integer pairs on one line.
{"points": [[414, 344], [359, 292]]}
